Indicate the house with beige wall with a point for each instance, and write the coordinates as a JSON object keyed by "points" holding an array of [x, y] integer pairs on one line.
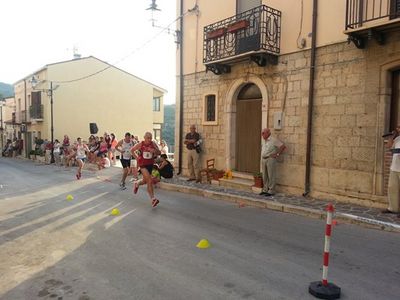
{"points": [[9, 127], [323, 75], [83, 91]]}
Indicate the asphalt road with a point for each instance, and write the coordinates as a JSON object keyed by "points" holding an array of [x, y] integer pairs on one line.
{"points": [[51, 248]]}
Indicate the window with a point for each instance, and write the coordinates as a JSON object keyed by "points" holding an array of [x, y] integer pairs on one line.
{"points": [[156, 103], [210, 109], [157, 134]]}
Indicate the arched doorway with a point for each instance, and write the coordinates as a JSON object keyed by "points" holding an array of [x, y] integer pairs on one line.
{"points": [[248, 128]]}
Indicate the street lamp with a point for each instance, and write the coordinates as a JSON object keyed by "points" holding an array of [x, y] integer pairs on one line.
{"points": [[49, 92]]}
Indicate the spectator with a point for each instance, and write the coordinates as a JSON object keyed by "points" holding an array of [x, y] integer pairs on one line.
{"points": [[57, 152], [164, 147], [272, 148], [192, 142]]}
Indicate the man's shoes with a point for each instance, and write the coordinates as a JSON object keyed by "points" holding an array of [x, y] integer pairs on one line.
{"points": [[266, 194], [198, 180], [386, 211], [154, 202], [122, 185], [191, 179]]}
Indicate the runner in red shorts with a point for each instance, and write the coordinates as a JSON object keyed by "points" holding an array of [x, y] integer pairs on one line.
{"points": [[147, 151]]}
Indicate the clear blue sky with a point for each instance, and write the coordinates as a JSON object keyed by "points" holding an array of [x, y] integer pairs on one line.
{"points": [[36, 33]]}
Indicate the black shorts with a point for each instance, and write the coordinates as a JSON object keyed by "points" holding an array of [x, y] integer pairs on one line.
{"points": [[100, 153], [126, 163], [148, 168]]}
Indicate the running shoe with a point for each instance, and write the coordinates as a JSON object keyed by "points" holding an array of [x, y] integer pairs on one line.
{"points": [[154, 202], [135, 187], [78, 176], [122, 185]]}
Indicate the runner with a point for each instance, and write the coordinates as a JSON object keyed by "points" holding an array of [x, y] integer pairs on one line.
{"points": [[124, 146], [81, 150], [148, 150]]}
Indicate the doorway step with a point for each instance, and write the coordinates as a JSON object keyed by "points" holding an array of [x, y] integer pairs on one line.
{"points": [[240, 181]]}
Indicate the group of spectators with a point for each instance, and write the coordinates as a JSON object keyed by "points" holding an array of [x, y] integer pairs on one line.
{"points": [[13, 147]]}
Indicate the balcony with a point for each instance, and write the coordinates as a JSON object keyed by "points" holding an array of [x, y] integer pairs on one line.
{"points": [[371, 19], [36, 112], [253, 34]]}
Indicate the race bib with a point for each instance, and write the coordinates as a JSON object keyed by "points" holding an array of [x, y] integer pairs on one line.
{"points": [[147, 155], [127, 154]]}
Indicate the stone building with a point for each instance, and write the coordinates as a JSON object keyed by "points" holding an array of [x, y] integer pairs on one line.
{"points": [[323, 75]]}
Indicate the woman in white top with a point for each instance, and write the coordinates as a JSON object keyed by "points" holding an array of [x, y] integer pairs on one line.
{"points": [[81, 150], [164, 147], [57, 152]]}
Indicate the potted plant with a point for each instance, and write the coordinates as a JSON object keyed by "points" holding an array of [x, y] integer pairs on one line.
{"points": [[258, 180]]}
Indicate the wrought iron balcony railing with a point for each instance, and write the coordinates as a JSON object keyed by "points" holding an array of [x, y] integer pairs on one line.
{"points": [[36, 112], [364, 12], [367, 19], [254, 31]]}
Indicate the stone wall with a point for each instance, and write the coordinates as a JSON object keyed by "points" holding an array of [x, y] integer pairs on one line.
{"points": [[349, 116]]}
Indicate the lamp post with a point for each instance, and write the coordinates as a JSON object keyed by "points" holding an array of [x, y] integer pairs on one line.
{"points": [[49, 92]]}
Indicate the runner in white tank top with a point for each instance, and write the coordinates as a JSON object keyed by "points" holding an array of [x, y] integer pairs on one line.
{"points": [[124, 147]]}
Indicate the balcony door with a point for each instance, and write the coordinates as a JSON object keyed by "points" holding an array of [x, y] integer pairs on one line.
{"points": [[249, 39], [394, 9], [243, 5], [248, 129]]}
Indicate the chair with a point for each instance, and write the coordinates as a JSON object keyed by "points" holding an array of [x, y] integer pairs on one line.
{"points": [[210, 167]]}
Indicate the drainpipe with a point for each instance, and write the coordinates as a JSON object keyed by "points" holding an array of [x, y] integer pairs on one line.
{"points": [[26, 126], [180, 90], [311, 98]]}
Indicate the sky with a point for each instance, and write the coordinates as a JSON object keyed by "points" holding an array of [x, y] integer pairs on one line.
{"points": [[35, 33]]}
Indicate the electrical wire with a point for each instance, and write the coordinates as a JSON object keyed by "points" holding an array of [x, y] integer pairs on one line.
{"points": [[301, 27], [125, 57]]}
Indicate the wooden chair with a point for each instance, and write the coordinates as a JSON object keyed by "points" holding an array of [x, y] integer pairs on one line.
{"points": [[210, 166]]}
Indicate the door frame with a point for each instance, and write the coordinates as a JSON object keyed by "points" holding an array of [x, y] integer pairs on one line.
{"points": [[230, 109]]}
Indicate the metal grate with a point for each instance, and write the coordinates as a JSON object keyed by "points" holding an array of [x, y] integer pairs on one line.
{"points": [[256, 29], [359, 12]]}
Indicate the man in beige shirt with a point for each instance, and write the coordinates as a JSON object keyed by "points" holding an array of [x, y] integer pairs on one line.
{"points": [[270, 151]]}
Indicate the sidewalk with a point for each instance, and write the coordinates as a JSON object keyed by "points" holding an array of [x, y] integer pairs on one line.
{"points": [[344, 212]]}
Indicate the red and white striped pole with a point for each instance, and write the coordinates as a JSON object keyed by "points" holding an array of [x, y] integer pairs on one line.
{"points": [[323, 289], [328, 231]]}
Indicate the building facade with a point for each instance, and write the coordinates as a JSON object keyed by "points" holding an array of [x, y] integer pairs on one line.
{"points": [[9, 127], [78, 92], [328, 90]]}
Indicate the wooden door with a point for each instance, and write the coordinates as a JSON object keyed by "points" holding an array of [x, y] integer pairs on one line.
{"points": [[248, 135]]}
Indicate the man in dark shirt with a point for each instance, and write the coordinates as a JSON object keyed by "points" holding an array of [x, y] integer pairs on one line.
{"points": [[192, 142]]}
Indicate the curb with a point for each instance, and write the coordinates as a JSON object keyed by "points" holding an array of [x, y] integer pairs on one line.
{"points": [[278, 206]]}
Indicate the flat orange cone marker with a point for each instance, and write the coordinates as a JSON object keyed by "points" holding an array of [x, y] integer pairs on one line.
{"points": [[203, 244]]}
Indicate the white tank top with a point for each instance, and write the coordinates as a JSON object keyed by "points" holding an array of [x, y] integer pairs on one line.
{"points": [[80, 151], [126, 150]]}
